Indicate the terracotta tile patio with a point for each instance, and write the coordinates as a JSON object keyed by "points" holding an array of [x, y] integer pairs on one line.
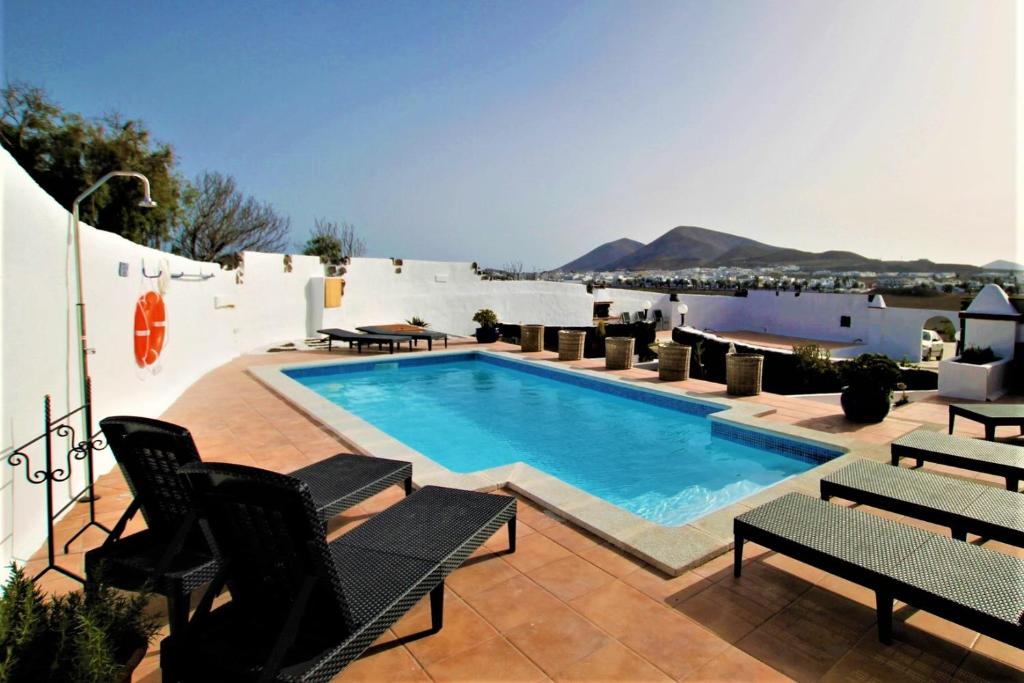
{"points": [[567, 606]]}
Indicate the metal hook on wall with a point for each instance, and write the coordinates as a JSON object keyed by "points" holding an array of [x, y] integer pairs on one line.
{"points": [[145, 274]]}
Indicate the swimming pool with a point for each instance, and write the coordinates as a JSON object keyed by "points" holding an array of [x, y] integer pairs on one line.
{"points": [[655, 455]]}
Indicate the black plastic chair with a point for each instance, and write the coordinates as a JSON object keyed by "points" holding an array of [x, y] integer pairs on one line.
{"points": [[172, 556], [302, 608]]}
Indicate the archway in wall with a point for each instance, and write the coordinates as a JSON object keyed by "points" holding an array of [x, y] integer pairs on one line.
{"points": [[938, 338]]}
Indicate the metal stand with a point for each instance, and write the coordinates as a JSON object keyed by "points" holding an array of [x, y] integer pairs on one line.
{"points": [[49, 475]]}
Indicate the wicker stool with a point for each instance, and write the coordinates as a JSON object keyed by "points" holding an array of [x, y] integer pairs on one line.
{"points": [[743, 373], [570, 344], [532, 338], [618, 353], [674, 362]]}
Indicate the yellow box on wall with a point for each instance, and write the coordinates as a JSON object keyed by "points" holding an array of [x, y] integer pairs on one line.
{"points": [[334, 290]]}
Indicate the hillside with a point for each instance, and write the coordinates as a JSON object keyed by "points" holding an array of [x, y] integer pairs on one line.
{"points": [[693, 247], [1003, 264], [595, 259]]}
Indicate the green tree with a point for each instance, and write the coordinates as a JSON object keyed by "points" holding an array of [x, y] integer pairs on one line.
{"points": [[333, 242], [65, 153], [218, 222]]}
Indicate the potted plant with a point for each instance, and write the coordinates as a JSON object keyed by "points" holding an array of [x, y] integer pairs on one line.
{"points": [[488, 321], [93, 635], [417, 321], [869, 379]]}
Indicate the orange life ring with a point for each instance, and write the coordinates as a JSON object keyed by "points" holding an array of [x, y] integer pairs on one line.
{"points": [[150, 328]]}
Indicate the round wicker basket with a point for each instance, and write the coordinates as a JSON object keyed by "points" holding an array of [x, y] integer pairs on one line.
{"points": [[674, 362], [618, 353], [570, 344], [743, 373], [532, 338]]}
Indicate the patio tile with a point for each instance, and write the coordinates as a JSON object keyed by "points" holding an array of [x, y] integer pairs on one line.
{"points": [[512, 603], [557, 638], [914, 656], [480, 573], [534, 551], [736, 665], [491, 660], [570, 577], [667, 589], [807, 638], [673, 643], [611, 560], [613, 662], [616, 607], [391, 663], [463, 628]]}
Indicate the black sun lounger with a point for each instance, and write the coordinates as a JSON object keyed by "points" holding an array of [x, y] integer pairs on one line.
{"points": [[172, 553], [990, 415], [358, 339], [963, 506], [964, 583], [408, 332], [301, 609], [1000, 459]]}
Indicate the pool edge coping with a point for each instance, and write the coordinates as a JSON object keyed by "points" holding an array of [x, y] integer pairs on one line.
{"points": [[671, 549]]}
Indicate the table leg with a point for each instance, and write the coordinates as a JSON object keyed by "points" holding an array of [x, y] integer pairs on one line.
{"points": [[990, 432], [952, 418]]}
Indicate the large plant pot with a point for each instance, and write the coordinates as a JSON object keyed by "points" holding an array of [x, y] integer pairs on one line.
{"points": [[674, 362], [743, 373], [487, 335], [865, 406], [570, 344], [618, 353], [532, 338]]}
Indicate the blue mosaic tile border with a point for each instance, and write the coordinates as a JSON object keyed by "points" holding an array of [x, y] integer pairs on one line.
{"points": [[791, 448], [679, 404], [370, 365]]}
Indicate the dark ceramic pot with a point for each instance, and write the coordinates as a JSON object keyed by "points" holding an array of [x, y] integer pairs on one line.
{"points": [[487, 335], [865, 406]]}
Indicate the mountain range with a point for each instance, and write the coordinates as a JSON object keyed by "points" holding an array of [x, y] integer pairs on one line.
{"points": [[694, 247]]}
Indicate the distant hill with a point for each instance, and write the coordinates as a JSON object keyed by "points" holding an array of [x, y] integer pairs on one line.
{"points": [[694, 247], [608, 252], [1002, 265]]}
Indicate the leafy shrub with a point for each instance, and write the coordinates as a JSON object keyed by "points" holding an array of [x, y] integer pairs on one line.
{"points": [[417, 321], [86, 636], [973, 355], [871, 372], [485, 317]]}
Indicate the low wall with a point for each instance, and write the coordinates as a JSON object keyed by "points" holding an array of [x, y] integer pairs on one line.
{"points": [[210, 320]]}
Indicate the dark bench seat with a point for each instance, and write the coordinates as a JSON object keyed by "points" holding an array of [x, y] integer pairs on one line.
{"points": [[963, 506], [358, 339], [1000, 459], [970, 585]]}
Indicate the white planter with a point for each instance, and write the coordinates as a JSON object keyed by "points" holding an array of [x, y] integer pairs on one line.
{"points": [[977, 382]]}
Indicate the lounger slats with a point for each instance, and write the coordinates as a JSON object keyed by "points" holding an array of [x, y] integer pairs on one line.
{"points": [[963, 506], [1002, 460], [968, 584]]}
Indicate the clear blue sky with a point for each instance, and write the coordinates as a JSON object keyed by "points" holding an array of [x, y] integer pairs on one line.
{"points": [[533, 131]]}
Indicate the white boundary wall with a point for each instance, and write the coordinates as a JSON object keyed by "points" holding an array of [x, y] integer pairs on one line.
{"points": [[208, 322], [896, 332]]}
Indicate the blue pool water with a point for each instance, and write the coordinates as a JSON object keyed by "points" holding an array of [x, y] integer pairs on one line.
{"points": [[648, 453]]}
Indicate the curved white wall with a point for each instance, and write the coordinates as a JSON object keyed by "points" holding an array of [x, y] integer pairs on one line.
{"points": [[265, 305]]}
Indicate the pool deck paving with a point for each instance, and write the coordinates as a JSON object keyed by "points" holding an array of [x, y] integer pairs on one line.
{"points": [[568, 606]]}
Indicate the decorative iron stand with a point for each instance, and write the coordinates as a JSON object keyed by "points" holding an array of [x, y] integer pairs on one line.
{"points": [[50, 475]]}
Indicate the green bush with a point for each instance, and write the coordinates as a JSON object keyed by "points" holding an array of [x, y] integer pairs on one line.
{"points": [[871, 372], [485, 317], [86, 636], [973, 355], [417, 321]]}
